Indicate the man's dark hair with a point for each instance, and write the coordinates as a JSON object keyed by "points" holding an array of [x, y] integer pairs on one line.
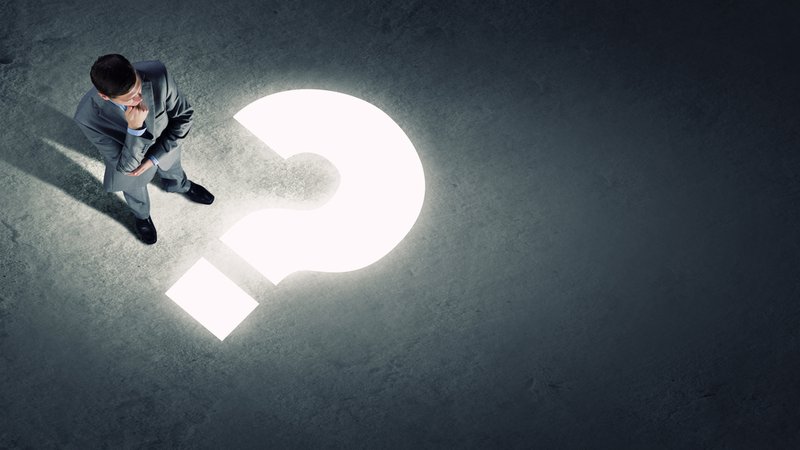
{"points": [[113, 75]]}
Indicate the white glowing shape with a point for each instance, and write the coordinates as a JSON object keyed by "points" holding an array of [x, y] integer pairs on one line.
{"points": [[382, 185], [379, 198], [211, 298]]}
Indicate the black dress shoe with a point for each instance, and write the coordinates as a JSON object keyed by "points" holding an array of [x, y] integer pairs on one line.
{"points": [[199, 194], [146, 230]]}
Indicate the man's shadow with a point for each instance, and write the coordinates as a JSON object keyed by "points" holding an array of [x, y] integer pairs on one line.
{"points": [[31, 153]]}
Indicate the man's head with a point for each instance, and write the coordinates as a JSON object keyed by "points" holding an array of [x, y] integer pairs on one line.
{"points": [[117, 80]]}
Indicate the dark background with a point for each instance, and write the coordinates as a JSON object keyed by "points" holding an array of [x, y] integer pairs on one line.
{"points": [[607, 256]]}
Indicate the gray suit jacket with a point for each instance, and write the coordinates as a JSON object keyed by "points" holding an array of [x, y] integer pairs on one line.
{"points": [[104, 124]]}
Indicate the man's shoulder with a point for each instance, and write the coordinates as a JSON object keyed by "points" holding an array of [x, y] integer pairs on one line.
{"points": [[151, 70], [87, 106]]}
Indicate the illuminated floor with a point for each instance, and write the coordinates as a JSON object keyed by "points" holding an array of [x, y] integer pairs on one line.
{"points": [[606, 256]]}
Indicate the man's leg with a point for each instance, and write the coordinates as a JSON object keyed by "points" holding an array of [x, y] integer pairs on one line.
{"points": [[174, 179], [139, 201]]}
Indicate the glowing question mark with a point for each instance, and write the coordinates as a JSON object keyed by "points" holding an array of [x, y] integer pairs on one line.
{"points": [[380, 195]]}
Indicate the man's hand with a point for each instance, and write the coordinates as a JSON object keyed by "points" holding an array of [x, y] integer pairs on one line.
{"points": [[135, 115], [146, 164]]}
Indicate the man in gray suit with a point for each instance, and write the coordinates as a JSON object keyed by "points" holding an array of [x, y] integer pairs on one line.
{"points": [[135, 116]]}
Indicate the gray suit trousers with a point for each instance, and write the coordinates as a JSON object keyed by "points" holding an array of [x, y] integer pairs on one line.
{"points": [[173, 180]]}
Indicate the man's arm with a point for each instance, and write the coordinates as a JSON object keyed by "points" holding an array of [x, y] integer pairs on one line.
{"points": [[125, 158], [179, 113]]}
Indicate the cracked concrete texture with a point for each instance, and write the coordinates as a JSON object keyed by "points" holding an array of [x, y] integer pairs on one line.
{"points": [[606, 256]]}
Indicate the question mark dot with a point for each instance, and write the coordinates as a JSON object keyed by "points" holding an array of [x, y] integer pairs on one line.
{"points": [[211, 298]]}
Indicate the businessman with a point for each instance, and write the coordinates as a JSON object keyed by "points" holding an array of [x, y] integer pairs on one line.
{"points": [[136, 116]]}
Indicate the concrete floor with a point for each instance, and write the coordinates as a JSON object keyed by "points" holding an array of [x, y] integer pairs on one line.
{"points": [[607, 255]]}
